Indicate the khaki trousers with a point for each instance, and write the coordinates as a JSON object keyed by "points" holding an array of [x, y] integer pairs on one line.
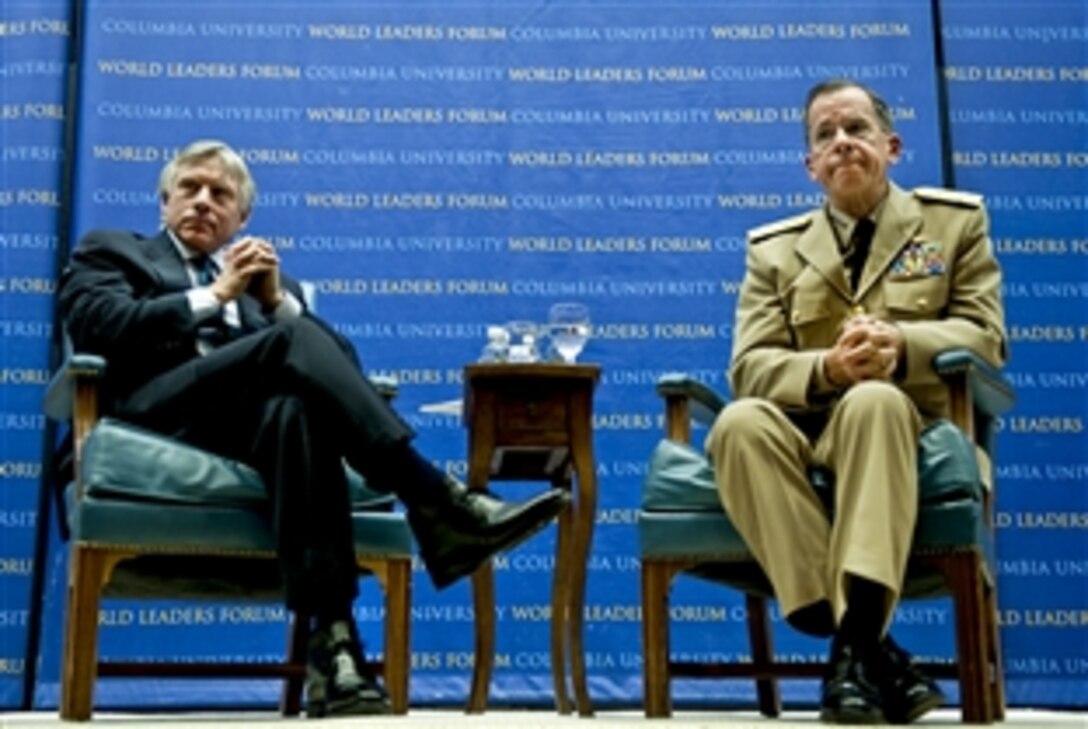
{"points": [[870, 443]]}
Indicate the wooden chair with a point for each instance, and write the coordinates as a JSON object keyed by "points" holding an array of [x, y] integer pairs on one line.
{"points": [[153, 517], [683, 530]]}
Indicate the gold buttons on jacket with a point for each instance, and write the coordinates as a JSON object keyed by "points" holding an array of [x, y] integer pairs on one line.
{"points": [[922, 302]]}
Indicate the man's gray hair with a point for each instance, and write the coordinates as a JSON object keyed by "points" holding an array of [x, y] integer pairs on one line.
{"points": [[206, 149]]}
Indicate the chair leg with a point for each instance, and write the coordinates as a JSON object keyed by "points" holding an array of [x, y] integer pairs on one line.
{"points": [[994, 650], [398, 600], [86, 576], [759, 633], [655, 639], [964, 575], [298, 637]]}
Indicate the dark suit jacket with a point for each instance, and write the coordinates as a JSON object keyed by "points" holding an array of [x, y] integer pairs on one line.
{"points": [[123, 296]]}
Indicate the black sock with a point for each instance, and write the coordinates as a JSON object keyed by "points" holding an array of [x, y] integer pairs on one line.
{"points": [[864, 619], [813, 619]]}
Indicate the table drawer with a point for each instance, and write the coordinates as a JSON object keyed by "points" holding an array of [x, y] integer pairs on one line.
{"points": [[529, 413]]}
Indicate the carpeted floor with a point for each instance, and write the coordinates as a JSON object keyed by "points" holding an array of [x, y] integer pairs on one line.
{"points": [[424, 719]]}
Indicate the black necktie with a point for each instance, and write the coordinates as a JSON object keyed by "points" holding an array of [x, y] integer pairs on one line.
{"points": [[860, 241]]}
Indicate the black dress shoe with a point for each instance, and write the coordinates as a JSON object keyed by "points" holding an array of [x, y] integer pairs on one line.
{"points": [[908, 692], [850, 693], [473, 526], [337, 682]]}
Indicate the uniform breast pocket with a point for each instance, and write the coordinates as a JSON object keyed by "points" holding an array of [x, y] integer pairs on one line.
{"points": [[810, 321], [917, 298]]}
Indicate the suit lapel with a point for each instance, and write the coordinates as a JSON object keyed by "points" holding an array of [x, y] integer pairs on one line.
{"points": [[820, 249], [165, 260], [899, 223]]}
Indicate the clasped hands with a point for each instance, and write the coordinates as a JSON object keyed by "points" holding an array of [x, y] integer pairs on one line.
{"points": [[867, 349], [250, 264]]}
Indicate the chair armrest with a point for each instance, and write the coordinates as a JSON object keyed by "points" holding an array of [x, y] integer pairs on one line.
{"points": [[686, 399], [72, 396], [989, 390], [60, 393], [705, 403]]}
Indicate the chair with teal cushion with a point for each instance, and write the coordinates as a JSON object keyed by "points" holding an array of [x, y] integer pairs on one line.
{"points": [[684, 530], [152, 517]]}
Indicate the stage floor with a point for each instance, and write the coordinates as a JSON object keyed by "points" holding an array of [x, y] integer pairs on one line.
{"points": [[427, 719]]}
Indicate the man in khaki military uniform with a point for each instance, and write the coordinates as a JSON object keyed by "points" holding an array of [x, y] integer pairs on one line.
{"points": [[840, 314]]}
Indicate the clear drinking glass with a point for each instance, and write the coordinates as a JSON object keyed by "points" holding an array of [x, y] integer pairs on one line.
{"points": [[523, 346], [568, 325]]}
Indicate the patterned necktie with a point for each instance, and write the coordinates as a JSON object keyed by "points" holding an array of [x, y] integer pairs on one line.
{"points": [[860, 241], [205, 268]]}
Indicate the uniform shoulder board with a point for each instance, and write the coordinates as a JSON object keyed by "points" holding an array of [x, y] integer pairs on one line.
{"points": [[952, 197], [778, 227]]}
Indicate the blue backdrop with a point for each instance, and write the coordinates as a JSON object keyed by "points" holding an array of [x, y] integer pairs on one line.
{"points": [[434, 168], [33, 38]]}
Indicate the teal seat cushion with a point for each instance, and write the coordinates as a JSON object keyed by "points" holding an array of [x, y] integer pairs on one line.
{"points": [[197, 519], [207, 551], [696, 535], [719, 553], [681, 479], [682, 516], [212, 528], [712, 536], [947, 465], [123, 461]]}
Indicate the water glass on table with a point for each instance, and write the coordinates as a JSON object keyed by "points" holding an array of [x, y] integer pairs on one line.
{"points": [[568, 325]]}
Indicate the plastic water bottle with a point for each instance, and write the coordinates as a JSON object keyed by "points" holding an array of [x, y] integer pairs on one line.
{"points": [[497, 348], [525, 351]]}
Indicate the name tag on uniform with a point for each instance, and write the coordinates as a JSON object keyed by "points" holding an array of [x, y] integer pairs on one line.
{"points": [[919, 259]]}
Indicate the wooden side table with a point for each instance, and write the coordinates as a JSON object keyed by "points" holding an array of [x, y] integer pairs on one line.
{"points": [[533, 422]]}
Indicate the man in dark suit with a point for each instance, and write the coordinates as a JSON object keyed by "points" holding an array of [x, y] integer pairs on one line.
{"points": [[840, 314], [207, 341]]}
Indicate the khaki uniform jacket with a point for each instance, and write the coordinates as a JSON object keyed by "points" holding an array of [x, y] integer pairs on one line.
{"points": [[931, 269]]}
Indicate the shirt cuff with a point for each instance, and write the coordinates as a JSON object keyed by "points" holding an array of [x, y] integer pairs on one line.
{"points": [[203, 302], [288, 308]]}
